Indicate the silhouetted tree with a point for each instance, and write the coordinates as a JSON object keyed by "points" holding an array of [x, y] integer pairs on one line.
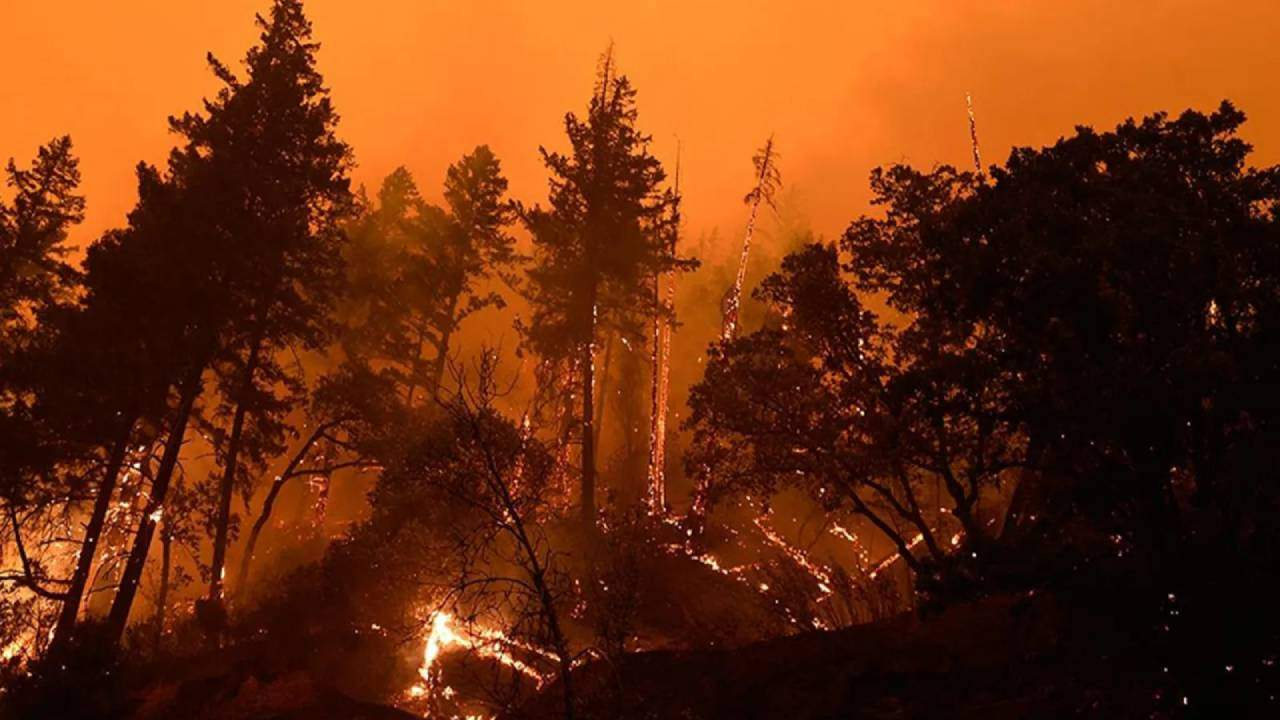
{"points": [[598, 244], [34, 274], [871, 419], [1124, 282], [36, 283], [391, 299], [421, 270], [100, 369], [265, 177], [473, 245]]}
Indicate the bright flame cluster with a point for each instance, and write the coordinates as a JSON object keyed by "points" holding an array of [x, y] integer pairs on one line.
{"points": [[445, 634]]}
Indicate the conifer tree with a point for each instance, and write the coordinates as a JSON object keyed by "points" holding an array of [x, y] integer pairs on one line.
{"points": [[597, 244], [264, 180], [473, 245], [102, 368], [443, 260], [33, 234]]}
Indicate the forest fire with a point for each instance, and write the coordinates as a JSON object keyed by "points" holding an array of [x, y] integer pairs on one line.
{"points": [[819, 574], [500, 399], [660, 365], [446, 634], [767, 180]]}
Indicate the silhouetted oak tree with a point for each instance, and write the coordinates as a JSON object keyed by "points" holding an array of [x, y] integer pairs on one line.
{"points": [[1093, 323]]}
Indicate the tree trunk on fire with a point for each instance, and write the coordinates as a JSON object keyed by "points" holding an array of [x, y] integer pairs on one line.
{"points": [[93, 532], [166, 565], [588, 438], [118, 618], [225, 491]]}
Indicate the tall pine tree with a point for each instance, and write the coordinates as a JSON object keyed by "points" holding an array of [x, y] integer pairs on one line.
{"points": [[597, 245], [473, 245]]}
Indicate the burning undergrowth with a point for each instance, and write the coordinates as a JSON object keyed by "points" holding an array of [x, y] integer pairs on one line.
{"points": [[465, 593]]}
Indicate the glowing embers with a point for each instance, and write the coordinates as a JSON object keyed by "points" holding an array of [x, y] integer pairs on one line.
{"points": [[973, 133], [660, 360], [895, 557], [820, 574], [767, 181]]}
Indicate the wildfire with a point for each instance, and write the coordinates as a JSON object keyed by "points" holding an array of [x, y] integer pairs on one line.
{"points": [[445, 635], [13, 650], [766, 181], [661, 368], [895, 557], [819, 573], [710, 561], [31, 632], [973, 133], [860, 550], [526, 433]]}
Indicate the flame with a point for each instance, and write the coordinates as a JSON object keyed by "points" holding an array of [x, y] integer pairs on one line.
{"points": [[32, 633], [860, 550], [13, 650], [445, 635], [526, 433]]}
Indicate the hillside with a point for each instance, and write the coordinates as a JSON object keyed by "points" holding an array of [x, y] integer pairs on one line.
{"points": [[1003, 658]]}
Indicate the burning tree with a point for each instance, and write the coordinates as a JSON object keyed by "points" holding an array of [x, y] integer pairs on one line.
{"points": [[85, 391], [768, 178], [660, 365], [506, 566], [973, 134], [597, 246]]}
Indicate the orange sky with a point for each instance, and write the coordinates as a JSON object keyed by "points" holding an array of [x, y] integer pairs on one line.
{"points": [[845, 85]]}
